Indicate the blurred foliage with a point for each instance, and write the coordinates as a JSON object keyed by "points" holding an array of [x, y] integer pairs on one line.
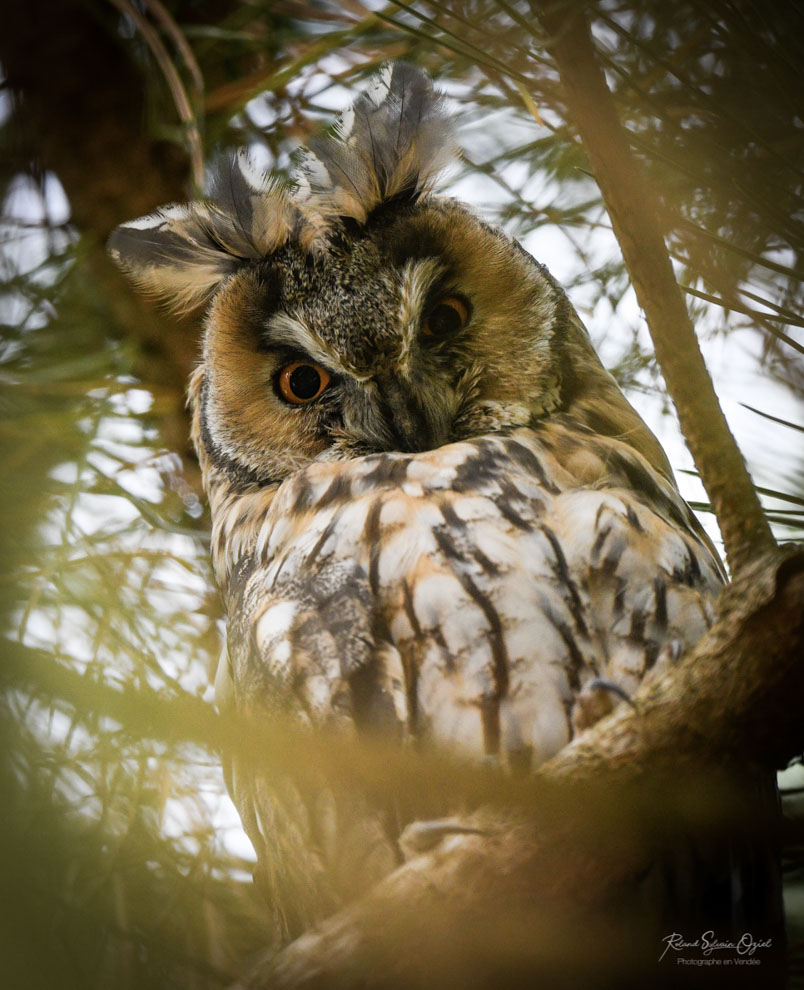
{"points": [[123, 864], [114, 874]]}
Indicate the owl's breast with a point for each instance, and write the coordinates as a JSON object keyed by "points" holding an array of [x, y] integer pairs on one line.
{"points": [[469, 595]]}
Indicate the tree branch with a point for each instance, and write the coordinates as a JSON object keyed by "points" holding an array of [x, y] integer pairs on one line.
{"points": [[80, 108], [634, 211], [516, 893]]}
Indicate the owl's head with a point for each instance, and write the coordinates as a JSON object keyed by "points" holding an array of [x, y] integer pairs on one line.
{"points": [[357, 312]]}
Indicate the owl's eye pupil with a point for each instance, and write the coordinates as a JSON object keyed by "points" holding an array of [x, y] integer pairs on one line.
{"points": [[446, 318], [302, 382], [305, 382]]}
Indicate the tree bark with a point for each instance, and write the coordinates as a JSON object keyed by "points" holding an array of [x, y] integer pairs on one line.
{"points": [[79, 111]]}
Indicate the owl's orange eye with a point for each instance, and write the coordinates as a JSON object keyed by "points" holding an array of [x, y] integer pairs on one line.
{"points": [[302, 382], [446, 317]]}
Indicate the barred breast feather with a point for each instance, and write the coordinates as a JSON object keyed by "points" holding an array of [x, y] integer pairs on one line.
{"points": [[468, 595]]}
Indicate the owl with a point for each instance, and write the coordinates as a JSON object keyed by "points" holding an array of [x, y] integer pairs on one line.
{"points": [[435, 516]]}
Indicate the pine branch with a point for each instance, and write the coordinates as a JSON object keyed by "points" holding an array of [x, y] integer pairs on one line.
{"points": [[633, 211]]}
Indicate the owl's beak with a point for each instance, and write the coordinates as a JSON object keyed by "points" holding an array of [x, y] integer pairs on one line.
{"points": [[415, 419]]}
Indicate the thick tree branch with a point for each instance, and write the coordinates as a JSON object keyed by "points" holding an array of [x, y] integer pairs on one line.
{"points": [[633, 210], [80, 112], [736, 699]]}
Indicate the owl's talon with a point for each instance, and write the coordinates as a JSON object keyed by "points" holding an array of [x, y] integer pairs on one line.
{"points": [[595, 701], [671, 652], [422, 837], [602, 684]]}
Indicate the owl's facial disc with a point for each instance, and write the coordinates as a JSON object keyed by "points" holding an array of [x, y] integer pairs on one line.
{"points": [[360, 312], [417, 330]]}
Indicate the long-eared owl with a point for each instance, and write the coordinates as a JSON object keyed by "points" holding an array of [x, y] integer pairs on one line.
{"points": [[434, 514]]}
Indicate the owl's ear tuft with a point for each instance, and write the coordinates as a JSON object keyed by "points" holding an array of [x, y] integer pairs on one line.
{"points": [[183, 252], [390, 145]]}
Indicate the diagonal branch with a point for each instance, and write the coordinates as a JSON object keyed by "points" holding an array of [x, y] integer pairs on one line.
{"points": [[175, 85], [633, 211]]}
